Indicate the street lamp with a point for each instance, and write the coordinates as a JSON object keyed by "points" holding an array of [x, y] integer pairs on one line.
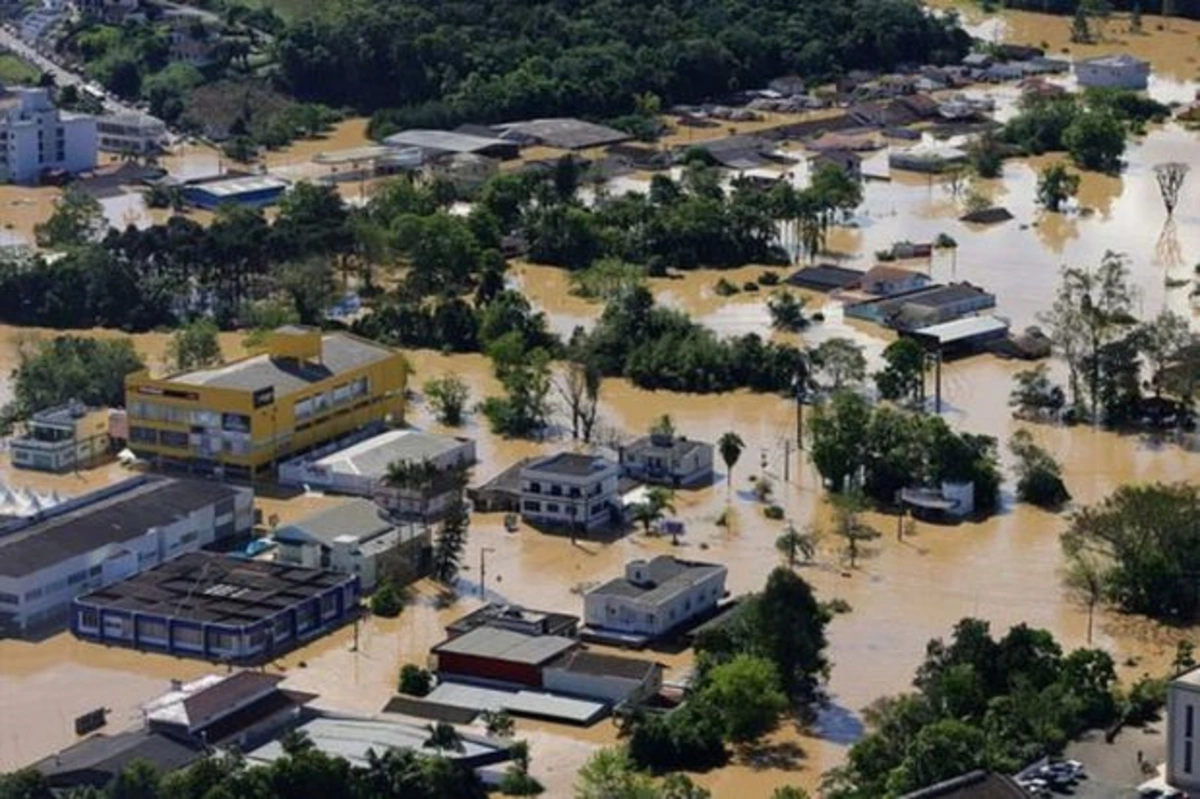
{"points": [[483, 551]]}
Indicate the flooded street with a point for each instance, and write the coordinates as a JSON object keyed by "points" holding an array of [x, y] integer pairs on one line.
{"points": [[1006, 569]]}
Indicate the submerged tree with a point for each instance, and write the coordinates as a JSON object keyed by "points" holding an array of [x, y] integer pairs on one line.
{"points": [[847, 522], [450, 543], [793, 543], [1084, 577], [730, 445], [1039, 477], [448, 397], [1170, 177], [841, 362], [1055, 186]]}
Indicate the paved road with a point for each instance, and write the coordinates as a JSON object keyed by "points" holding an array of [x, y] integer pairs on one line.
{"points": [[62, 76]]}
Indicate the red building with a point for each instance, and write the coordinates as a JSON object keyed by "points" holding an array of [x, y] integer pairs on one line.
{"points": [[494, 654]]}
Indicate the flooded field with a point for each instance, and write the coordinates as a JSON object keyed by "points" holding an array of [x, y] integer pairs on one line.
{"points": [[1006, 569]]}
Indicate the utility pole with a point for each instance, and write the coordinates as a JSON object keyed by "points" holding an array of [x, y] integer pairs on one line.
{"points": [[483, 570]]}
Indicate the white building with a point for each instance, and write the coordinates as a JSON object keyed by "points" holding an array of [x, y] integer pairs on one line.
{"points": [[106, 536], [357, 537], [61, 439], [570, 489], [670, 459], [610, 678], [360, 468], [1112, 72], [131, 133], [1183, 721], [653, 598], [35, 136]]}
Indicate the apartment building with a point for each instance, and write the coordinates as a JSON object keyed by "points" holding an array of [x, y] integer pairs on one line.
{"points": [[241, 418], [137, 134], [36, 137], [653, 598], [89, 542], [1183, 720]]}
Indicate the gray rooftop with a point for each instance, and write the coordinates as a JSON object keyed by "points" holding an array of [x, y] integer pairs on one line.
{"points": [[445, 141], [567, 134], [519, 703], [340, 353], [99, 758], [582, 661], [353, 738], [373, 456], [571, 464], [360, 518], [678, 445], [668, 576], [111, 515], [508, 645]]}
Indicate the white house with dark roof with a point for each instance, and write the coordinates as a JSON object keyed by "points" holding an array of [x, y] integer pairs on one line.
{"points": [[652, 598], [570, 489], [663, 457]]}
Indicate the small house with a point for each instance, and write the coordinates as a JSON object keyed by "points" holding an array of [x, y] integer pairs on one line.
{"points": [[1113, 72], [610, 678], [663, 457], [496, 655], [888, 281], [465, 171], [652, 599], [570, 490], [825, 277], [62, 439]]}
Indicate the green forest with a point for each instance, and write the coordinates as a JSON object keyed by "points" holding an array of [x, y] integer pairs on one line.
{"points": [[443, 63]]}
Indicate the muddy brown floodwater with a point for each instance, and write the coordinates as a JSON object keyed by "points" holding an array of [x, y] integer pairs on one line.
{"points": [[1006, 569]]}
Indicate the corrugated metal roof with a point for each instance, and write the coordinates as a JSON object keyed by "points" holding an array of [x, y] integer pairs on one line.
{"points": [[521, 703], [509, 645], [965, 328]]}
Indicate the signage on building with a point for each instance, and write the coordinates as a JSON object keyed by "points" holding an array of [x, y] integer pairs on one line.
{"points": [[264, 396], [155, 391]]}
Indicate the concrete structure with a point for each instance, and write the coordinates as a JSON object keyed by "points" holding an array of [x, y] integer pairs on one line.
{"points": [[357, 538], [217, 607], [969, 334], [1112, 72], [108, 535], [609, 678], [62, 439], [360, 466], [512, 617], [35, 137], [924, 307], [570, 489], [240, 418], [668, 459], [354, 738], [1183, 724], [566, 133], [927, 158], [951, 501], [137, 134], [493, 655], [465, 171], [474, 699], [972, 785], [254, 191], [825, 277], [653, 598], [96, 760]]}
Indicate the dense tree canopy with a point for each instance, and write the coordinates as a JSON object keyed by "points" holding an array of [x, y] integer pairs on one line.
{"points": [[445, 63]]}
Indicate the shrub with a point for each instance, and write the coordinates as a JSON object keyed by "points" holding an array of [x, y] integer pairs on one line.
{"points": [[725, 289], [773, 512], [414, 680], [517, 783], [387, 601], [749, 285], [768, 279]]}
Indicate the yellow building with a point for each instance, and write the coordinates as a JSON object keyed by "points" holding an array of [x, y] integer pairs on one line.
{"points": [[244, 416]]}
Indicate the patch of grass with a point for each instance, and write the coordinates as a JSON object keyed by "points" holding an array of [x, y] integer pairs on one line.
{"points": [[14, 71], [291, 10]]}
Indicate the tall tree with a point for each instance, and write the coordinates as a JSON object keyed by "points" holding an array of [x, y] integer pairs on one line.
{"points": [[450, 543], [1170, 177], [841, 362], [838, 433], [448, 397], [730, 445], [309, 284], [78, 219], [1085, 579], [1056, 186], [194, 346], [847, 522], [903, 376]]}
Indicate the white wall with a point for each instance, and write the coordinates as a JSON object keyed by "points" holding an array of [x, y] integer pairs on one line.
{"points": [[1181, 696], [597, 686], [633, 615]]}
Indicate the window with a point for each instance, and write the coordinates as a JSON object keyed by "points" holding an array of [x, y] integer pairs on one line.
{"points": [[9, 599], [188, 538], [1189, 721], [171, 438], [533, 506], [551, 507], [1187, 757], [32, 595], [143, 435], [77, 577], [89, 619]]}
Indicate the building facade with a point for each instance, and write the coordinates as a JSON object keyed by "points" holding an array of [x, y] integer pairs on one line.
{"points": [[217, 607], [570, 489], [609, 678], [668, 459], [62, 439], [107, 536], [358, 538], [137, 134], [36, 137], [1183, 721], [653, 598], [1113, 72], [242, 418]]}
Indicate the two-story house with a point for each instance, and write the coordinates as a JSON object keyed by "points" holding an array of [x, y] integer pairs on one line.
{"points": [[653, 598], [60, 439], [663, 457], [888, 281], [570, 489]]}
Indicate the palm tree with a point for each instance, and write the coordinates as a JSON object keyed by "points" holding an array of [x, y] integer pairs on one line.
{"points": [[793, 542], [658, 500], [443, 738], [731, 446]]}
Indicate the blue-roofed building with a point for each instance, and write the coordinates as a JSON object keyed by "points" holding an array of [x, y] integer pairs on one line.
{"points": [[253, 191]]}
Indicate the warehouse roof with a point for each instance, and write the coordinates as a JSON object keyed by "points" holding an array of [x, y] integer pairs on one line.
{"points": [[825, 277], [215, 589], [111, 515], [962, 329], [508, 645], [446, 141], [360, 519], [566, 133], [340, 353], [244, 185], [373, 456], [571, 464], [581, 661], [100, 758], [534, 704], [355, 738]]}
